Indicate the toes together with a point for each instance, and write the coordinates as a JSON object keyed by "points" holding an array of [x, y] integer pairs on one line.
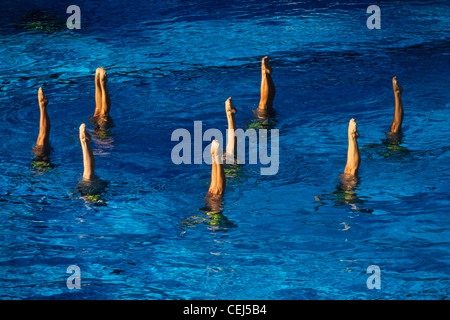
{"points": [[100, 74], [229, 107], [84, 135], [397, 87], [352, 128], [41, 97], [265, 65]]}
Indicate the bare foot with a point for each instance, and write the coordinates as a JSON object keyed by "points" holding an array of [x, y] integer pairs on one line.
{"points": [[84, 135], [352, 129], [43, 102], [229, 107], [102, 75], [397, 88], [265, 65]]}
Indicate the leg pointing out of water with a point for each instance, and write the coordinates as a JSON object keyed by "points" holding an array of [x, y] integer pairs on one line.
{"points": [[267, 86], [217, 186], [102, 99], [231, 138], [98, 95], [353, 155], [41, 150], [396, 126], [43, 140], [88, 156], [267, 89]]}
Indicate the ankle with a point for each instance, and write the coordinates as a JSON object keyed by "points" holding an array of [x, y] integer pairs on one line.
{"points": [[352, 136]]}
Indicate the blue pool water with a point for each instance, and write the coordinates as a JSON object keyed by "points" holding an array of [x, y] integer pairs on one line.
{"points": [[170, 63]]}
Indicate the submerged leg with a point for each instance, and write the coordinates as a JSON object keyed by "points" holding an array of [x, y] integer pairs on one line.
{"points": [[267, 86], [231, 138], [217, 186], [43, 140], [396, 125], [88, 156], [353, 155]]}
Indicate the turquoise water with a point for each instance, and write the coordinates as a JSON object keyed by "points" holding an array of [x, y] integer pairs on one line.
{"points": [[170, 63]]}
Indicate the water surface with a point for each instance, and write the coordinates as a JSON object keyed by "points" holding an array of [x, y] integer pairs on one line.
{"points": [[294, 235]]}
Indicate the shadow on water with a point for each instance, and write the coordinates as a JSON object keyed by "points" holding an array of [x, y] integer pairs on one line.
{"points": [[41, 162], [43, 21], [211, 215], [104, 136], [389, 147], [102, 126], [236, 172], [266, 120], [102, 123], [344, 194], [92, 191]]}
